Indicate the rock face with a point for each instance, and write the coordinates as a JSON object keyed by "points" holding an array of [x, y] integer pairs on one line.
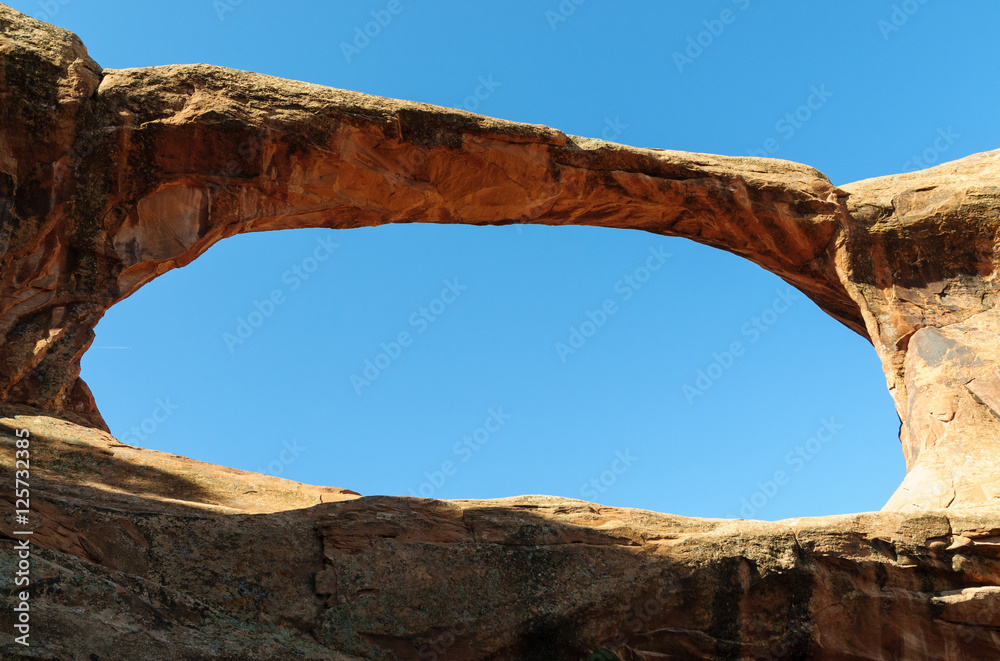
{"points": [[111, 178], [143, 555], [923, 264]]}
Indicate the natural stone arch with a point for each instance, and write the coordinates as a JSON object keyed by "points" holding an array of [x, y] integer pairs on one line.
{"points": [[116, 177], [108, 178]]}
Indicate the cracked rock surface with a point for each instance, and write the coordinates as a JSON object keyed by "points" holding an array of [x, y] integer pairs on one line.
{"points": [[109, 178]]}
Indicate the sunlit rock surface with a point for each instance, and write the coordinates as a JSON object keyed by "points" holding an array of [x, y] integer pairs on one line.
{"points": [[111, 178]]}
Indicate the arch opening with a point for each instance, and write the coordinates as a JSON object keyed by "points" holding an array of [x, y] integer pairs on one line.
{"points": [[462, 362]]}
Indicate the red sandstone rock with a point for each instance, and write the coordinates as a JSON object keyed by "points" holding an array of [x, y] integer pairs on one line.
{"points": [[111, 178]]}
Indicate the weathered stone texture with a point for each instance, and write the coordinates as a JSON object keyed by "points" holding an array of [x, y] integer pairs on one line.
{"points": [[111, 178]]}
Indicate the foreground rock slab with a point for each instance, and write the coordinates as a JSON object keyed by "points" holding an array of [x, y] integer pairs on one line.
{"points": [[167, 558]]}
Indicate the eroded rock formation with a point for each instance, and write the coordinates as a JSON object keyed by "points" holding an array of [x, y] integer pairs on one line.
{"points": [[111, 178], [143, 555]]}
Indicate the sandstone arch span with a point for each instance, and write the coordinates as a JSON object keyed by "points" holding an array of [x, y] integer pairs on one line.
{"points": [[110, 178]]}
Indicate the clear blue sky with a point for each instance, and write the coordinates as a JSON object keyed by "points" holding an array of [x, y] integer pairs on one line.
{"points": [[892, 83]]}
